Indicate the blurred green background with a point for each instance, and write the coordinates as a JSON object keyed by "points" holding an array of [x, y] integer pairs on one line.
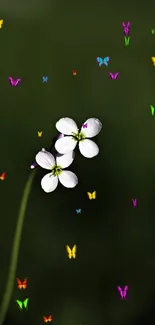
{"points": [[115, 241]]}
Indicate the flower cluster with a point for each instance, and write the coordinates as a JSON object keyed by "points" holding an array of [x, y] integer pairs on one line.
{"points": [[65, 146]]}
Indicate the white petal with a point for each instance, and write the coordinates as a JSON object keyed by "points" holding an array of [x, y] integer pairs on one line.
{"points": [[88, 148], [68, 179], [66, 126], [45, 159], [65, 145], [94, 126], [65, 160], [49, 183]]}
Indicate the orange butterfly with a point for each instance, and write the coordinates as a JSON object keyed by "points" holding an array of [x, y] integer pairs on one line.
{"points": [[47, 319], [2, 176], [22, 285]]}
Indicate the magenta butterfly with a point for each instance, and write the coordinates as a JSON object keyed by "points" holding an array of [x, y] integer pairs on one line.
{"points": [[113, 76], [14, 82], [123, 293], [84, 125]]}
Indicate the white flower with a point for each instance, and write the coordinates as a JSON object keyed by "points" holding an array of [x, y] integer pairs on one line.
{"points": [[68, 127], [50, 181]]}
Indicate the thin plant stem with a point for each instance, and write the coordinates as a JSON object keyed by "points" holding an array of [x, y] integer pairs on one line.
{"points": [[15, 250]]}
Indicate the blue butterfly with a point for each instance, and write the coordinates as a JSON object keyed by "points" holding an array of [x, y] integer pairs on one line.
{"points": [[104, 61], [78, 211], [45, 79]]}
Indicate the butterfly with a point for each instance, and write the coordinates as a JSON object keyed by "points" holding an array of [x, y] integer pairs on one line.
{"points": [[45, 79], [127, 40], [123, 293], [22, 304], [152, 109], [71, 252], [104, 61], [153, 31], [78, 211], [113, 76], [153, 60], [134, 202], [91, 195], [22, 285], [1, 23], [47, 319], [84, 125], [126, 27], [40, 134], [2, 176], [14, 82], [74, 72]]}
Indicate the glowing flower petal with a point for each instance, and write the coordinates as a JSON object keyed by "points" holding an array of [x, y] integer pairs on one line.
{"points": [[49, 183], [66, 126], [68, 179], [94, 126], [45, 159], [88, 148], [65, 160], [65, 145]]}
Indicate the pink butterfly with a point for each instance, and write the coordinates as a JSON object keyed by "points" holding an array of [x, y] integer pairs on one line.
{"points": [[113, 76], [123, 293], [14, 82]]}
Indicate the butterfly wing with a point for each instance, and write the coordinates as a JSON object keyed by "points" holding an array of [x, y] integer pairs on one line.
{"points": [[45, 319], [111, 75], [74, 249], [2, 176], [116, 75], [11, 81], [49, 318], [24, 284], [1, 23], [25, 303], [106, 61], [16, 82], [89, 195], [94, 195], [69, 251], [20, 304], [19, 283]]}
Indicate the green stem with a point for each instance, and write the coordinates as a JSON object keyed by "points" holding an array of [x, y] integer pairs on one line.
{"points": [[15, 251]]}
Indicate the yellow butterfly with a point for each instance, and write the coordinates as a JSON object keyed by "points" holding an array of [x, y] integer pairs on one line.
{"points": [[153, 60], [92, 195], [71, 252], [1, 23], [40, 134]]}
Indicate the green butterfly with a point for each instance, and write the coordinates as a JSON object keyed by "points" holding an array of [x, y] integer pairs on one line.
{"points": [[127, 40], [153, 31], [22, 304]]}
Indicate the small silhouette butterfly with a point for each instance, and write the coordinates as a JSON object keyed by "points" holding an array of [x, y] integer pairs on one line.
{"points": [[91, 195], [126, 27], [2, 176], [71, 252], [45, 79], [47, 319], [1, 23], [22, 285], [14, 82], [23, 304], [84, 125], [104, 61], [123, 293], [113, 76], [78, 211], [40, 134]]}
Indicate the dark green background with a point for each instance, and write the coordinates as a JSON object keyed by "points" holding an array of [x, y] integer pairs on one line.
{"points": [[115, 241]]}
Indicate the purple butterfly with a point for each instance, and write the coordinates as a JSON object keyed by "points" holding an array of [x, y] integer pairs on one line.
{"points": [[126, 28], [14, 82], [84, 125], [123, 293], [114, 76]]}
